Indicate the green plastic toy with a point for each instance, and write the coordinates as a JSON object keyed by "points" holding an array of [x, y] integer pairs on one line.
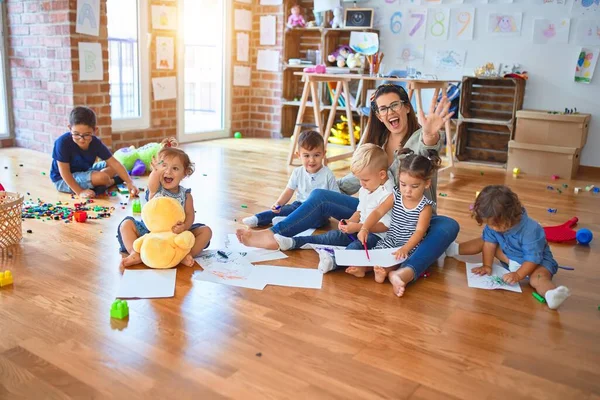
{"points": [[119, 309]]}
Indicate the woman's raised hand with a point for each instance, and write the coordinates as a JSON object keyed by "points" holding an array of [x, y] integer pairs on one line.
{"points": [[438, 115]]}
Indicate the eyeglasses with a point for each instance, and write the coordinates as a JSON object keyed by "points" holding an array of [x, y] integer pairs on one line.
{"points": [[79, 136], [395, 106]]}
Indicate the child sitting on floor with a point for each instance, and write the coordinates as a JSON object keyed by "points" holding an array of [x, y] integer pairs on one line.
{"points": [[311, 175], [516, 240], [369, 165], [74, 167], [169, 167], [411, 214]]}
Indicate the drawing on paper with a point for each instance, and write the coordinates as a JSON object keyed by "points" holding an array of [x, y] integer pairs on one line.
{"points": [[86, 12], [450, 59], [586, 63], [490, 282], [231, 267], [505, 23], [412, 54]]}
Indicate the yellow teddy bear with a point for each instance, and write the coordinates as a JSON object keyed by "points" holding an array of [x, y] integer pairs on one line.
{"points": [[161, 248]]}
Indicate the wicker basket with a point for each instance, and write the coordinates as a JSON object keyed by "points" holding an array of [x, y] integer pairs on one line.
{"points": [[11, 230]]}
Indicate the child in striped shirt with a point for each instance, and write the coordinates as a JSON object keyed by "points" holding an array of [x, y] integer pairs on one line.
{"points": [[411, 214]]}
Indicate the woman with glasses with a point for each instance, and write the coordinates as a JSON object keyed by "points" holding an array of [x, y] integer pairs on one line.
{"points": [[395, 127]]}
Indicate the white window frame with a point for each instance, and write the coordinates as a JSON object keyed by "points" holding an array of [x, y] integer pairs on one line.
{"points": [[142, 122], [5, 131], [182, 137]]}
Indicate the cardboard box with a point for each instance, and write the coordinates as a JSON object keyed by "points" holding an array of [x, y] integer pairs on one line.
{"points": [[539, 127], [542, 160]]}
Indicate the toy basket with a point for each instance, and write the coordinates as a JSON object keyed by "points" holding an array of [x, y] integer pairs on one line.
{"points": [[11, 230]]}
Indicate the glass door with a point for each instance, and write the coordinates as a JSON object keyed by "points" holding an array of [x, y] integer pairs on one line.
{"points": [[203, 72]]}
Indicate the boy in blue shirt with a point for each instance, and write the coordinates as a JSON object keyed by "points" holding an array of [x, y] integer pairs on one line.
{"points": [[74, 167]]}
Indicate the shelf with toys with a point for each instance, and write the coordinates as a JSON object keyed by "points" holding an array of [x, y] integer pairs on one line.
{"points": [[315, 42]]}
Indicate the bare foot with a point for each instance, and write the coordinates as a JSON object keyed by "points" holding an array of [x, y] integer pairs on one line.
{"points": [[397, 283], [380, 274], [357, 272], [264, 239], [239, 233], [188, 261], [132, 259]]}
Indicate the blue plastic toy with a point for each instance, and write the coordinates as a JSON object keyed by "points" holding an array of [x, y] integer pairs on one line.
{"points": [[584, 236]]}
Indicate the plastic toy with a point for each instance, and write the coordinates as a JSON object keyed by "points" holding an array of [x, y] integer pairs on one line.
{"points": [[136, 206], [237, 135], [319, 69], [577, 190], [296, 19], [119, 309], [2, 188], [6, 278], [561, 233], [588, 188], [80, 216], [555, 177], [584, 236], [130, 155], [552, 210], [123, 189], [338, 19], [340, 134], [516, 171]]}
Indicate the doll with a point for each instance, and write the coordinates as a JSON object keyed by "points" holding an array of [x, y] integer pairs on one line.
{"points": [[296, 19]]}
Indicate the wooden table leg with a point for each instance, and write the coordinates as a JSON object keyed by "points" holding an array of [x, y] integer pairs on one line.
{"points": [[331, 119], [314, 91], [349, 115], [299, 119]]}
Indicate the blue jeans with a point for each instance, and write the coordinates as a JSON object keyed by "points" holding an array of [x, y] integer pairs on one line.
{"points": [[266, 217], [322, 204]]}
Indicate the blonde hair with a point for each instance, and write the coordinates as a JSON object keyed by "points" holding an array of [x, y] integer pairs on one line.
{"points": [[369, 155], [169, 149]]}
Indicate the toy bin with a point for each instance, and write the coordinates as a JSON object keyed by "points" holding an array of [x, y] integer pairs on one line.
{"points": [[10, 219]]}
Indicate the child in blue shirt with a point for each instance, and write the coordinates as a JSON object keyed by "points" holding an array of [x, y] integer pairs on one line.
{"points": [[74, 167], [516, 240]]}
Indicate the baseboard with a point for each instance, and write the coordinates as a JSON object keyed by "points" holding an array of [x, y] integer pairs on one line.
{"points": [[588, 172]]}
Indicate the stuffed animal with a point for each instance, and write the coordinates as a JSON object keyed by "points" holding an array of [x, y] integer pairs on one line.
{"points": [[296, 19], [340, 55], [338, 19], [354, 61], [129, 157], [161, 248]]}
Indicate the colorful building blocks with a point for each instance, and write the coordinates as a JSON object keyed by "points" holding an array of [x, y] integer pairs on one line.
{"points": [[119, 309], [136, 206], [6, 278]]}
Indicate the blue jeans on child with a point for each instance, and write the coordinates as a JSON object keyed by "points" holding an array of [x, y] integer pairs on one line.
{"points": [[83, 179], [266, 217], [322, 204]]}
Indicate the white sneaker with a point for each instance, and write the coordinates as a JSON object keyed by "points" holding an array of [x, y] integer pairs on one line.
{"points": [[326, 261], [277, 220], [251, 222], [441, 260], [285, 243], [452, 250]]}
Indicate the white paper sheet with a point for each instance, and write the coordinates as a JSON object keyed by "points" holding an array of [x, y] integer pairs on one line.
{"points": [[358, 258], [461, 23], [411, 54], [450, 59], [164, 18], [586, 8], [241, 76], [291, 277], [165, 52], [147, 283], [250, 282], [505, 24], [586, 32], [244, 1], [325, 5], [551, 30], [364, 42], [490, 282], [586, 63], [243, 45], [330, 249], [270, 2], [307, 232], [268, 60], [242, 20], [255, 257], [268, 30], [88, 17], [416, 22], [164, 88], [437, 26], [90, 62]]}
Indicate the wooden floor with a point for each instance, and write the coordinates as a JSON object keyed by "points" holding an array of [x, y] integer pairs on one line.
{"points": [[350, 340]]}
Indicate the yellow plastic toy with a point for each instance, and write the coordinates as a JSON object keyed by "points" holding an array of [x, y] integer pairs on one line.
{"points": [[340, 132], [6, 278], [161, 248]]}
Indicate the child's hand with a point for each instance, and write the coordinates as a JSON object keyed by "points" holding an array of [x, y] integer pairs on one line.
{"points": [[133, 190], [511, 278], [178, 228], [483, 270], [342, 225], [276, 208], [87, 194], [156, 164], [401, 253], [352, 227], [363, 234]]}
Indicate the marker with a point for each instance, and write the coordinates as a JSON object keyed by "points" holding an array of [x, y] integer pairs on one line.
{"points": [[222, 254], [278, 207], [539, 298], [367, 251], [352, 237]]}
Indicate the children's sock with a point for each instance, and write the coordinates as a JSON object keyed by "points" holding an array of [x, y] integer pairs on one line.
{"points": [[326, 262], [452, 250], [285, 243], [555, 297], [251, 222], [277, 220]]}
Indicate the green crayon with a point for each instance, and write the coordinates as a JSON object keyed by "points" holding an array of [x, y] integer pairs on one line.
{"points": [[538, 297]]}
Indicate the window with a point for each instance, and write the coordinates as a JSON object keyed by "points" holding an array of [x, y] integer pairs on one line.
{"points": [[3, 95], [128, 63]]}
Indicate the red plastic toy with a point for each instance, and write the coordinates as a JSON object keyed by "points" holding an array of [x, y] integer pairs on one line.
{"points": [[562, 233], [2, 188], [80, 216]]}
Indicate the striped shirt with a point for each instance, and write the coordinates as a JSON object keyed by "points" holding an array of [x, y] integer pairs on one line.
{"points": [[179, 196], [404, 222]]}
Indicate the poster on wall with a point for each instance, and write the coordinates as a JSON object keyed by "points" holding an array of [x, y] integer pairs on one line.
{"points": [[438, 24], [164, 18], [505, 24], [450, 59], [243, 44], [411, 55], [551, 31], [90, 62], [586, 63], [165, 52], [586, 8], [268, 30], [268, 60], [416, 23], [242, 20], [588, 32], [461, 23], [164, 88], [241, 76], [88, 17]]}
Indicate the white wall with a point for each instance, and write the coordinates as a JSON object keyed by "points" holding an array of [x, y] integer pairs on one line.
{"points": [[551, 67]]}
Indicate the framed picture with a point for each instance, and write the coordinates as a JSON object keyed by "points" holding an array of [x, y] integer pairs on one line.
{"points": [[359, 18]]}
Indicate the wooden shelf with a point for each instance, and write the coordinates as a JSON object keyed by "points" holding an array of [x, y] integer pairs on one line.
{"points": [[309, 104]]}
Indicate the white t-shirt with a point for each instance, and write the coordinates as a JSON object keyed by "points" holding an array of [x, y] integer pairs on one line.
{"points": [[368, 202], [304, 183]]}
